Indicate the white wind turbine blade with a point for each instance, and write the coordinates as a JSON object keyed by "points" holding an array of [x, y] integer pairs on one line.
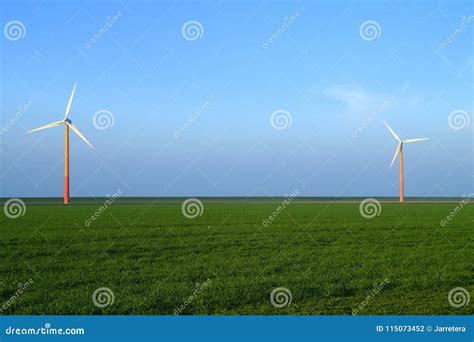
{"points": [[391, 131], [396, 153], [79, 133], [54, 124], [70, 101], [413, 140]]}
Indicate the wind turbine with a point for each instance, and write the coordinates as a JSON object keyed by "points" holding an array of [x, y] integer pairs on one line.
{"points": [[399, 150], [67, 124]]}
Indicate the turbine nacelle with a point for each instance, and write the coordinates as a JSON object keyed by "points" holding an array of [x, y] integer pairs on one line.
{"points": [[400, 142], [66, 121]]}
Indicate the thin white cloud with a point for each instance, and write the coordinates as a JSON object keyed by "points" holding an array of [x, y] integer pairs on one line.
{"points": [[357, 101]]}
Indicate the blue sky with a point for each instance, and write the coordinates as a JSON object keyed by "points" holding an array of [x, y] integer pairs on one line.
{"points": [[192, 117]]}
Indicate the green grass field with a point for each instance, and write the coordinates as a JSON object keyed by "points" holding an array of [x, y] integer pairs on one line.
{"points": [[152, 257]]}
